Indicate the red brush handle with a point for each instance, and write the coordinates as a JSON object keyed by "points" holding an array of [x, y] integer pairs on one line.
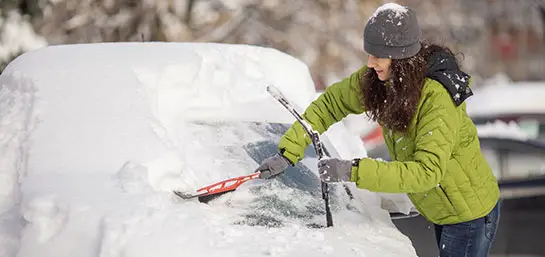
{"points": [[227, 185]]}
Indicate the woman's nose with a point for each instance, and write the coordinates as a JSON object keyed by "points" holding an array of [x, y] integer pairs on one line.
{"points": [[371, 61]]}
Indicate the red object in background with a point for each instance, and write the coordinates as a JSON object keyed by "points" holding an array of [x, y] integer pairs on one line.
{"points": [[507, 50], [374, 138], [505, 45]]}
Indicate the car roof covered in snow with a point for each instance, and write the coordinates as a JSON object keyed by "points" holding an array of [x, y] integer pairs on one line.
{"points": [[205, 80], [517, 98]]}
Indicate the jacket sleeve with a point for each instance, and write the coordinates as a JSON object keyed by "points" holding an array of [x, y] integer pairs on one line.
{"points": [[337, 101], [436, 133]]}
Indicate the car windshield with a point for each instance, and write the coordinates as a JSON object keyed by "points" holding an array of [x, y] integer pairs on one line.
{"points": [[237, 148]]}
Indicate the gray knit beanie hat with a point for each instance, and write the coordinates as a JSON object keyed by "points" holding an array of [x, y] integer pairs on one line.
{"points": [[392, 32]]}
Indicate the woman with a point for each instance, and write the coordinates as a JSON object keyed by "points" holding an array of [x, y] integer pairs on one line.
{"points": [[416, 92]]}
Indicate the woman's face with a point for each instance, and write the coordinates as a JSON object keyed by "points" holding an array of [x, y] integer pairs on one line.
{"points": [[381, 66]]}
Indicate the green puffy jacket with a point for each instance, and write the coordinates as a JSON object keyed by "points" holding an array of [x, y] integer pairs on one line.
{"points": [[438, 163]]}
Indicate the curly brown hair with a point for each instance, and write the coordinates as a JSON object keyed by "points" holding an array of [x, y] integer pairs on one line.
{"points": [[393, 103]]}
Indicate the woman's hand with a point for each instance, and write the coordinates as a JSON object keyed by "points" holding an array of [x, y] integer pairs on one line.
{"points": [[273, 166], [335, 170]]}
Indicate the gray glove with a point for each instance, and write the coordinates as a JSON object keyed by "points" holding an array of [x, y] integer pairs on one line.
{"points": [[273, 166], [334, 170]]}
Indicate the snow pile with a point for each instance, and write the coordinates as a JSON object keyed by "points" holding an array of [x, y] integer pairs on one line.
{"points": [[500, 129], [17, 36], [94, 137]]}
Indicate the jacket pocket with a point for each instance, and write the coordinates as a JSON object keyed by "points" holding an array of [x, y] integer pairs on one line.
{"points": [[446, 199]]}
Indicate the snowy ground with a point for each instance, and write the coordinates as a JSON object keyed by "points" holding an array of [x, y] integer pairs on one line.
{"points": [[94, 137]]}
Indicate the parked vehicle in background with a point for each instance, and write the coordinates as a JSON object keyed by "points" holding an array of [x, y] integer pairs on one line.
{"points": [[510, 119]]}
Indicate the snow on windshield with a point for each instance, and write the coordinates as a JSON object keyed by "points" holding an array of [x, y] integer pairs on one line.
{"points": [[95, 137]]}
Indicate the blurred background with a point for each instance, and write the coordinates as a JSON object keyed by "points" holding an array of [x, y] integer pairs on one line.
{"points": [[501, 43]]}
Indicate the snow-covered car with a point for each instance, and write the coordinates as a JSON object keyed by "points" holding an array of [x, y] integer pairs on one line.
{"points": [[95, 137]]}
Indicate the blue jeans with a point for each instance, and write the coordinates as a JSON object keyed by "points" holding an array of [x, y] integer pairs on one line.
{"points": [[468, 239]]}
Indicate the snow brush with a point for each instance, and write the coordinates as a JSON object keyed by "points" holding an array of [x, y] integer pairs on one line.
{"points": [[208, 193]]}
